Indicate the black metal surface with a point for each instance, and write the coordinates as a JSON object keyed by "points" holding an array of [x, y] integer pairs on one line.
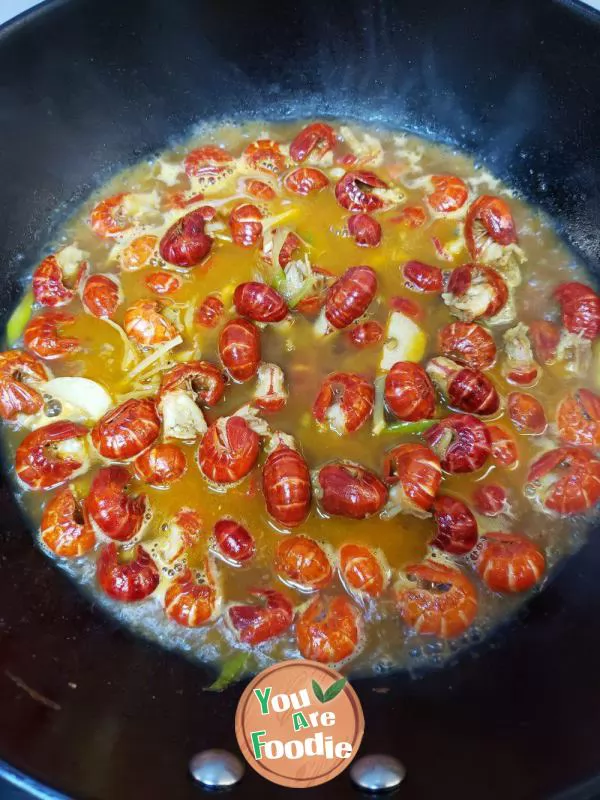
{"points": [[89, 85]]}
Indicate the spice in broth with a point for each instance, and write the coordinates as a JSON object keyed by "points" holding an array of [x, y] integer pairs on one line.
{"points": [[307, 390]]}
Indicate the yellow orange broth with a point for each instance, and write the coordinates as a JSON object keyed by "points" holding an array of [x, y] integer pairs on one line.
{"points": [[306, 361]]}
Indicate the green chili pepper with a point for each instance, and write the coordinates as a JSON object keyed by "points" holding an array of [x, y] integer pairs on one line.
{"points": [[275, 277], [304, 290], [279, 282], [231, 671], [19, 319], [410, 427]]}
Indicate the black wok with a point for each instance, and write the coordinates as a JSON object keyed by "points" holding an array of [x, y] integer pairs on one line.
{"points": [[88, 86]]}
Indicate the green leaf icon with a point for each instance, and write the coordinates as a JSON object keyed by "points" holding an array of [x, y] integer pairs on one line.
{"points": [[329, 694], [334, 689], [318, 692]]}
